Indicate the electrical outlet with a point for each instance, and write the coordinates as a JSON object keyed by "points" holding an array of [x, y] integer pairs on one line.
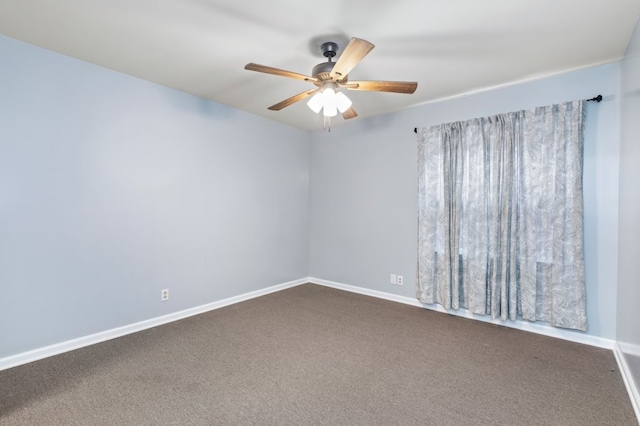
{"points": [[399, 280], [164, 295], [392, 278]]}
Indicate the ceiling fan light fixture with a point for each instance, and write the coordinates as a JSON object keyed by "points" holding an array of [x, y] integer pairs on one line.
{"points": [[329, 101], [330, 111], [330, 107], [342, 102], [315, 103]]}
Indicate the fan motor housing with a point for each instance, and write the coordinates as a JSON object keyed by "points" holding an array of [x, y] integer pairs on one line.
{"points": [[322, 70]]}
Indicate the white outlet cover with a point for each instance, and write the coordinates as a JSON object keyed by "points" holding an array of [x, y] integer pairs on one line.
{"points": [[399, 280], [164, 295]]}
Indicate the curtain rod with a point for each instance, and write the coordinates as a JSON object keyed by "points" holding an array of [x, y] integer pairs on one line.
{"points": [[594, 99]]}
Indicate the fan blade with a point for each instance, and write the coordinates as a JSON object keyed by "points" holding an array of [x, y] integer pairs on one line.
{"points": [[276, 71], [292, 100], [350, 113], [355, 51], [383, 86]]}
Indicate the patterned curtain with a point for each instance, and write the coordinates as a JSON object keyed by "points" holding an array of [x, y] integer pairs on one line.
{"points": [[500, 215]]}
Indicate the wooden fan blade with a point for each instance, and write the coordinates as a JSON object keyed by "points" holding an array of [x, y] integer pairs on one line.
{"points": [[383, 86], [350, 113], [292, 100], [355, 51], [276, 71]]}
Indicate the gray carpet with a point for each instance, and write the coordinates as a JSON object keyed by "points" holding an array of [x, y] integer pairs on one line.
{"points": [[315, 355]]}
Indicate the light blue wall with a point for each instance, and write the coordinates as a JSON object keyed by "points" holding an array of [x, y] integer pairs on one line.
{"points": [[628, 331], [364, 185], [113, 188]]}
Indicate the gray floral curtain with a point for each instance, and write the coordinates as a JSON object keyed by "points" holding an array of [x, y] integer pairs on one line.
{"points": [[500, 215]]}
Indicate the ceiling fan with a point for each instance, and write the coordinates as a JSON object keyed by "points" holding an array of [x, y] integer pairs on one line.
{"points": [[330, 76]]}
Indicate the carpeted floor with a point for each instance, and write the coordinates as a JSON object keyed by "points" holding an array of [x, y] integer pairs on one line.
{"points": [[315, 355]]}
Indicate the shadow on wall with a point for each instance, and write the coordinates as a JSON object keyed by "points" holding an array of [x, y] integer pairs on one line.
{"points": [[199, 106]]}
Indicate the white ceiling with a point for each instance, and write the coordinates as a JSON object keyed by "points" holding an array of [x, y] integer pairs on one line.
{"points": [[449, 47]]}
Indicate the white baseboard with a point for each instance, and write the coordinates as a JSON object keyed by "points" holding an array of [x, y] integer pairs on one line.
{"points": [[629, 382], [58, 348], [367, 292], [628, 348], [547, 330]]}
